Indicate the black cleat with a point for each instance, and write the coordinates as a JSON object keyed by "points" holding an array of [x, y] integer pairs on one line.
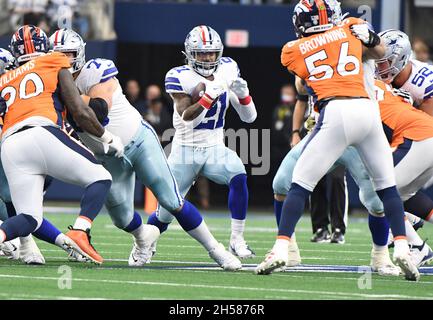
{"points": [[322, 235], [337, 237]]}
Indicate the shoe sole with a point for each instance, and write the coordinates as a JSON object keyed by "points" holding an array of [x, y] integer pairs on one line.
{"points": [[321, 241], [277, 264], [339, 242], [86, 254], [409, 273], [76, 248], [427, 259]]}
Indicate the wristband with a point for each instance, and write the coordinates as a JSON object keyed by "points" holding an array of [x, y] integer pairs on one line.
{"points": [[245, 101], [296, 131], [206, 101], [302, 97]]}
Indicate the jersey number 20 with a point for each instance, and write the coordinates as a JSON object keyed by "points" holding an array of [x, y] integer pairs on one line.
{"points": [[23, 94]]}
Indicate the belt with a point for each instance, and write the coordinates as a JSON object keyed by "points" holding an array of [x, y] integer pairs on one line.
{"points": [[22, 129]]}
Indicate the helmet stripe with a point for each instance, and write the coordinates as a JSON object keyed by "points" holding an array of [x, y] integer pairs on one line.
{"points": [[28, 40], [323, 15], [203, 35], [209, 33], [56, 37]]}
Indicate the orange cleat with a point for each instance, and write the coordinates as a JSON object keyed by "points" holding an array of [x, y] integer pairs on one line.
{"points": [[82, 239]]}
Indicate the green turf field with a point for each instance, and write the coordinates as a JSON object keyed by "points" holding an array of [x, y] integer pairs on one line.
{"points": [[182, 269]]}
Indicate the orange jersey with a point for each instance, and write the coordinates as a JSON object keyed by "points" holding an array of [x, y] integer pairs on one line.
{"points": [[32, 90], [400, 119], [329, 62]]}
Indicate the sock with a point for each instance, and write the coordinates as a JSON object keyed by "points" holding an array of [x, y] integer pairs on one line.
{"points": [[203, 235], [420, 205], [278, 206], [10, 209], [293, 208], [188, 217], [412, 236], [47, 232], [82, 223], [238, 227], [238, 197], [379, 228], [400, 244], [19, 226], [153, 220], [135, 223], [94, 198], [393, 208]]}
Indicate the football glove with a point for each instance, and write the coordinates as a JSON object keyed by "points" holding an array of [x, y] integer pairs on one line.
{"points": [[310, 123], [363, 33], [240, 88], [212, 92], [113, 145], [404, 94]]}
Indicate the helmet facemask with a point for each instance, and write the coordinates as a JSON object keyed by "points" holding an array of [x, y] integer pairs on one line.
{"points": [[204, 68]]}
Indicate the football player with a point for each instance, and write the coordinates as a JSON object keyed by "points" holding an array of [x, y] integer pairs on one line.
{"points": [[144, 156], [25, 248], [34, 146], [328, 57], [399, 69], [198, 145]]}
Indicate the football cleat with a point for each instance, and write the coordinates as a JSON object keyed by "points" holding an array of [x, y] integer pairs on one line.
{"points": [[10, 249], [142, 251], [241, 249], [82, 239], [409, 269], [382, 264], [225, 259], [29, 251], [337, 237], [275, 260], [421, 255], [75, 253], [294, 257], [321, 236]]}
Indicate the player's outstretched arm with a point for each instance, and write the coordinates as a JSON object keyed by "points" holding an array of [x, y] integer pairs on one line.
{"points": [[373, 46], [82, 114]]}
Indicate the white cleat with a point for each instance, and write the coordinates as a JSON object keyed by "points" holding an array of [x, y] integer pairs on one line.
{"points": [[382, 264], [409, 269], [225, 259], [421, 255], [74, 252], [10, 249], [274, 260], [141, 253], [294, 258], [29, 252], [241, 249]]}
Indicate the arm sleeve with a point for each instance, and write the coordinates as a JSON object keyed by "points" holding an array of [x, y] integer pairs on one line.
{"points": [[247, 113]]}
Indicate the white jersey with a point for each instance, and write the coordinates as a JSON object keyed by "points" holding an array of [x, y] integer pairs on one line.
{"points": [[124, 119], [420, 82], [210, 131]]}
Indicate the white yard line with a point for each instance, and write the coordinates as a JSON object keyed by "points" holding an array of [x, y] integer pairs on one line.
{"points": [[236, 288]]}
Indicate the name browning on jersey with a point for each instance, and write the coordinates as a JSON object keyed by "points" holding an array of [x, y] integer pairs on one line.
{"points": [[321, 40]]}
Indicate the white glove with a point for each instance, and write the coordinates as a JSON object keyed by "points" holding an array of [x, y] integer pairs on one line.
{"points": [[361, 32], [212, 92], [240, 88], [112, 144], [404, 94]]}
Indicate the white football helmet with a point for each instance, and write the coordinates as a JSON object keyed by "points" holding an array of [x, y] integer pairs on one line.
{"points": [[67, 40], [7, 61], [397, 55], [203, 39]]}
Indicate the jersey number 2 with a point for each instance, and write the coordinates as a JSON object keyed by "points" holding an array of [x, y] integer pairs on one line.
{"points": [[325, 71], [215, 116]]}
